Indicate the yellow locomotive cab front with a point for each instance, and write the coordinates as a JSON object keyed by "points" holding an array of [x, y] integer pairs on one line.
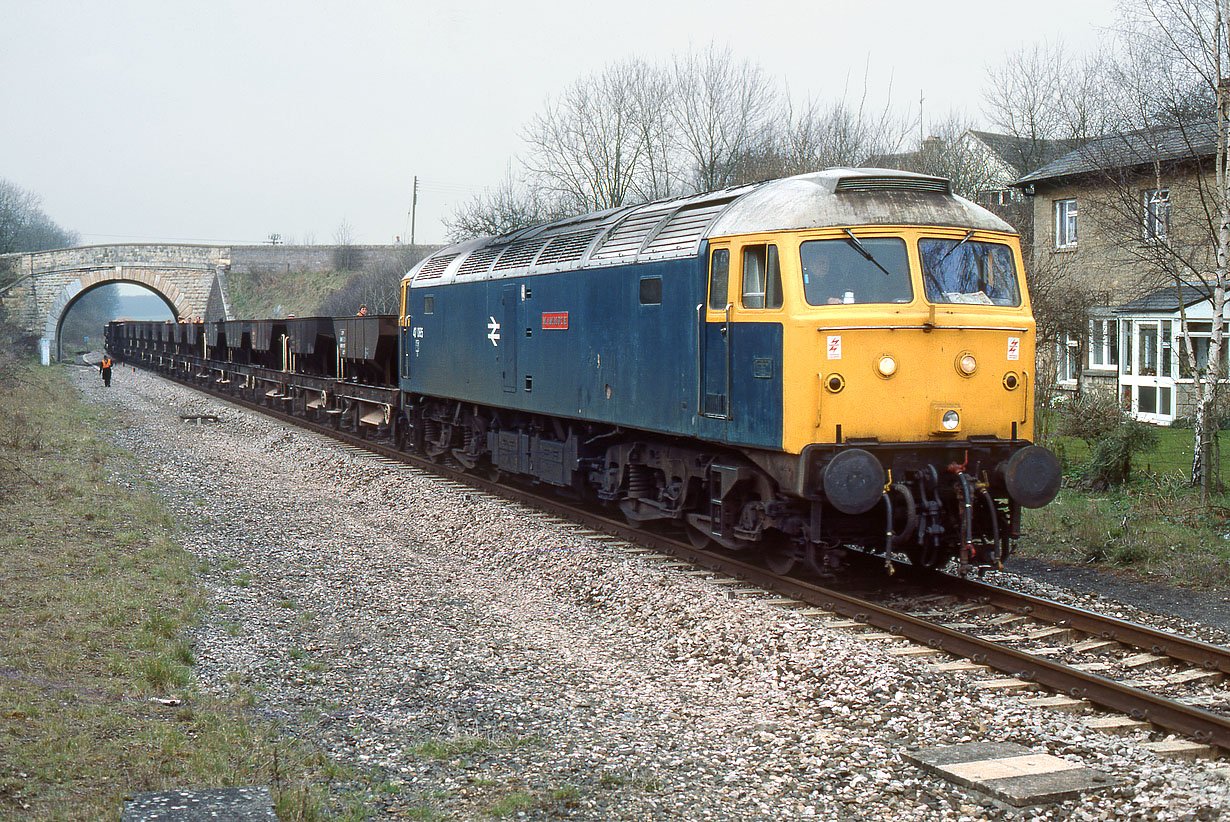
{"points": [[906, 335], [907, 362]]}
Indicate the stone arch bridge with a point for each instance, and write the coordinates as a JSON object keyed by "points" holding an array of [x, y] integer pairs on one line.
{"points": [[40, 287]]}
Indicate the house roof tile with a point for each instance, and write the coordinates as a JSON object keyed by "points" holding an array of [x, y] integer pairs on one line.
{"points": [[1130, 149]]}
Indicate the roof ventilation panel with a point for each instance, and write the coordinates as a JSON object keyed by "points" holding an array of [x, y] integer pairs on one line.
{"points": [[434, 267], [929, 185]]}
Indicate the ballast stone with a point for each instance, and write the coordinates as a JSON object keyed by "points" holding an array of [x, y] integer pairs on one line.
{"points": [[1011, 773], [250, 804]]}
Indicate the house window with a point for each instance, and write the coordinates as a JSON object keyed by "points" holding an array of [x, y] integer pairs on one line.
{"points": [[1156, 213], [1069, 359], [1104, 344], [1065, 223], [1200, 333]]}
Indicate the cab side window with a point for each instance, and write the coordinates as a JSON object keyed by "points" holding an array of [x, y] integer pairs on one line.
{"points": [[719, 277], [762, 277]]}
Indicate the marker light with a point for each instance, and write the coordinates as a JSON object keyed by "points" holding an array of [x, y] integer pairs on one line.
{"points": [[950, 420], [1011, 381], [887, 366], [966, 364]]}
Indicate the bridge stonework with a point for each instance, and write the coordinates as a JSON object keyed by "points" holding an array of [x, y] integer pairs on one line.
{"points": [[43, 285]]}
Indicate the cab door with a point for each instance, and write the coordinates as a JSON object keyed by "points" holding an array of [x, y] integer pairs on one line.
{"points": [[510, 298], [715, 339]]}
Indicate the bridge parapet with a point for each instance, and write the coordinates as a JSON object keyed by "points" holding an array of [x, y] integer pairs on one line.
{"points": [[43, 285]]}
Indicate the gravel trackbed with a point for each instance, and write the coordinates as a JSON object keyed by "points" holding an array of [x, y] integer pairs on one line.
{"points": [[465, 655]]}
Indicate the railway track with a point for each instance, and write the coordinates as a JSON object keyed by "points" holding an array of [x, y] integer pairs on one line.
{"points": [[936, 617]]}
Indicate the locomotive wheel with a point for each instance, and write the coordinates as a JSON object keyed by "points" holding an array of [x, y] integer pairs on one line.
{"points": [[780, 556], [699, 538]]}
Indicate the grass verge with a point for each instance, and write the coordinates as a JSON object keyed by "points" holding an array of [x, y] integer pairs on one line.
{"points": [[97, 699], [1155, 526]]}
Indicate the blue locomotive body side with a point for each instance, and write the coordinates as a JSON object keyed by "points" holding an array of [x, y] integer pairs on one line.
{"points": [[607, 345]]}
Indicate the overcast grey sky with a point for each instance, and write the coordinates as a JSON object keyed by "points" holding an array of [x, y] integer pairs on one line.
{"points": [[227, 120]]}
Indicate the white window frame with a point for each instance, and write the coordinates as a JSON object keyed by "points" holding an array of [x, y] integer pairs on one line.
{"points": [[1104, 344], [1068, 360], [1156, 216], [1199, 334], [1065, 223]]}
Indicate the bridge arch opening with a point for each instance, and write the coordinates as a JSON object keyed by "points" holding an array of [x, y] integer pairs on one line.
{"points": [[77, 328]]}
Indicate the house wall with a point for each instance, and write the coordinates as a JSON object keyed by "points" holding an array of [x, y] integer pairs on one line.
{"points": [[1112, 261]]}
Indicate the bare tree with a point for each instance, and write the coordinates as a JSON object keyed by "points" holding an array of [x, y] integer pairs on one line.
{"points": [[841, 132], [654, 94], [378, 287], [588, 146], [511, 205], [951, 154], [1165, 201], [24, 226], [722, 108], [1041, 93], [345, 255]]}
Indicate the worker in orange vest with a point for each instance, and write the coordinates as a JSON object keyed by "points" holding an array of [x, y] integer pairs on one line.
{"points": [[105, 368]]}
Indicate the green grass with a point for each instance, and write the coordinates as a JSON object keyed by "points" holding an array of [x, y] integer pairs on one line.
{"points": [[1156, 526], [258, 294], [1173, 455], [448, 748], [96, 599], [513, 802]]}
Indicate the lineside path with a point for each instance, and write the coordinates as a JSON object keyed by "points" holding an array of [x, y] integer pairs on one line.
{"points": [[467, 658]]}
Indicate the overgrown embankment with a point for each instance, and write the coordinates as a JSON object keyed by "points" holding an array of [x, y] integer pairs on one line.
{"points": [[97, 699], [271, 293], [1152, 524]]}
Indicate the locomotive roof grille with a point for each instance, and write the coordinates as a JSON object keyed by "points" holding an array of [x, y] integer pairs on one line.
{"points": [[434, 267], [686, 228], [480, 260], [566, 248], [676, 228], [935, 185], [627, 238], [519, 254]]}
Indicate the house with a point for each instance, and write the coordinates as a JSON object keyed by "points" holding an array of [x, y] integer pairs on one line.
{"points": [[981, 164], [1124, 223]]}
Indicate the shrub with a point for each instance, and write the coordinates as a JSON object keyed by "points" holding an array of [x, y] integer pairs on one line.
{"points": [[1113, 437]]}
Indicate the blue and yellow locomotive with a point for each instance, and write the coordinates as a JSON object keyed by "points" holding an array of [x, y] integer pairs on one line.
{"points": [[839, 358]]}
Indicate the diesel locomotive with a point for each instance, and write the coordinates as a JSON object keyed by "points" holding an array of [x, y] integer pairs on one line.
{"points": [[789, 368]]}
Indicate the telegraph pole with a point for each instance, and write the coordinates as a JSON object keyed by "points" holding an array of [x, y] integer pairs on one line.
{"points": [[414, 204]]}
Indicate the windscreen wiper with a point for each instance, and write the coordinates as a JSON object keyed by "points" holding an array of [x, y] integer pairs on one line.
{"points": [[964, 240], [857, 246]]}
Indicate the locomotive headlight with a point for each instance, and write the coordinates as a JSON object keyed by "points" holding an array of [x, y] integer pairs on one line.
{"points": [[966, 364], [887, 366], [950, 420]]}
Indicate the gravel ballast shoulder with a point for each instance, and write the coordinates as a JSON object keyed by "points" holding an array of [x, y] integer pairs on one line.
{"points": [[466, 654]]}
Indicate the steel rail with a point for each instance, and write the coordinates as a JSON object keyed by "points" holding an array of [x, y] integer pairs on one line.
{"points": [[1171, 715], [1185, 649]]}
